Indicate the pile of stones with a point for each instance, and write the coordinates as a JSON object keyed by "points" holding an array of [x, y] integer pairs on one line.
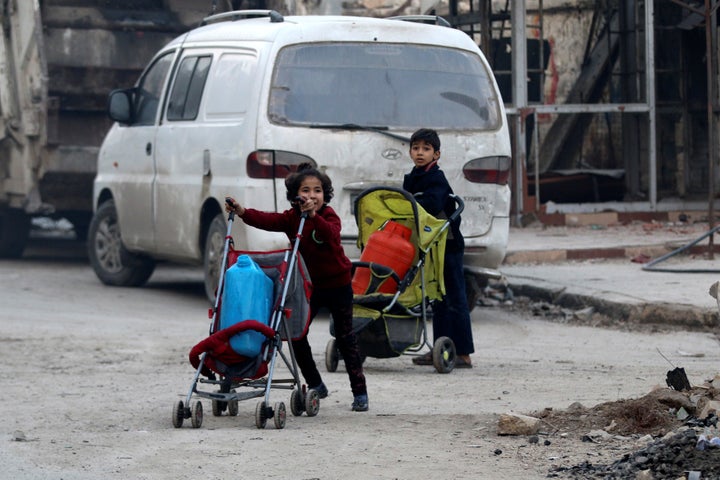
{"points": [[684, 454]]}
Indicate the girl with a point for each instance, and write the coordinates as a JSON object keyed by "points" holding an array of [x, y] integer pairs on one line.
{"points": [[309, 191]]}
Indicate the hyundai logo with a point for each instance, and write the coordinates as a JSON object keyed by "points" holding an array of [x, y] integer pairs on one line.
{"points": [[391, 154]]}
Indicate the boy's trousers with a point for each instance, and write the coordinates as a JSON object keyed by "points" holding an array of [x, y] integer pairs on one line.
{"points": [[451, 316]]}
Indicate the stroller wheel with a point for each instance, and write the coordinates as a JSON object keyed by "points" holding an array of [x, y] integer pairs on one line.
{"points": [[232, 407], [297, 402], [218, 406], [444, 355], [178, 414], [280, 415], [332, 356], [312, 402], [196, 414], [260, 417]]}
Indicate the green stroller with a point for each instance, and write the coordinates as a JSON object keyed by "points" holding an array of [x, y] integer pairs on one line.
{"points": [[391, 307]]}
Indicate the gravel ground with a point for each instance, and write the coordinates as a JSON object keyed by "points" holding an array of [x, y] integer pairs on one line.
{"points": [[91, 374]]}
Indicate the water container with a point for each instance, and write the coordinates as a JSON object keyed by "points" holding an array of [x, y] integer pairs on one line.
{"points": [[391, 247], [247, 295]]}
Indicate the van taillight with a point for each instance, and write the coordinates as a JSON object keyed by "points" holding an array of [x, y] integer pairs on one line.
{"points": [[274, 164], [488, 170]]}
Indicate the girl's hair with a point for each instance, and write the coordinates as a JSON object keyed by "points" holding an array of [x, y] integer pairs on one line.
{"points": [[293, 181]]}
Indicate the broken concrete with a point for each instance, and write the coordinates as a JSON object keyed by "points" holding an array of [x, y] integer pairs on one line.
{"points": [[517, 424]]}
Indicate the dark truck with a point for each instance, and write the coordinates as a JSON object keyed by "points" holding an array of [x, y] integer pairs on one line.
{"points": [[59, 59]]}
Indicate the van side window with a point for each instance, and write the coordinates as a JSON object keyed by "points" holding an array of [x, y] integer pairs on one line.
{"points": [[231, 85], [149, 91], [187, 91]]}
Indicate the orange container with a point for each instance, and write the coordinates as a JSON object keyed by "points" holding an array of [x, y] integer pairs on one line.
{"points": [[391, 247]]}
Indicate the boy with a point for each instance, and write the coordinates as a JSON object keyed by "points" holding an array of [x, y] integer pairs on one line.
{"points": [[451, 316]]}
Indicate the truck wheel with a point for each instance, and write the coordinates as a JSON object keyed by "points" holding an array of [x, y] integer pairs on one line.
{"points": [[112, 262], [212, 257], [14, 230]]}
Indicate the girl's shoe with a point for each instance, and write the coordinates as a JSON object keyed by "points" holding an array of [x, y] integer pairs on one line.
{"points": [[321, 390], [360, 403]]}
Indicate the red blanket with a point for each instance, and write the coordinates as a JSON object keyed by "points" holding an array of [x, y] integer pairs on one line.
{"points": [[219, 352]]}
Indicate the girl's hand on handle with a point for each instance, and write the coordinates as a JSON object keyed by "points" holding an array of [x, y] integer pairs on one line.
{"points": [[231, 205], [307, 206]]}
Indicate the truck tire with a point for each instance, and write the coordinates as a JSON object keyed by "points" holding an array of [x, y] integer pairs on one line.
{"points": [[14, 231], [112, 262], [212, 255]]}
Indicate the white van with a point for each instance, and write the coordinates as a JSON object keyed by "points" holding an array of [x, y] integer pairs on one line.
{"points": [[233, 106]]}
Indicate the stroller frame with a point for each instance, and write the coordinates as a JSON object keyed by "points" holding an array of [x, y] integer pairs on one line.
{"points": [[443, 350], [302, 399]]}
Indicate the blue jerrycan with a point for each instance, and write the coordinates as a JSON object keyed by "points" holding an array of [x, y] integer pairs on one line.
{"points": [[247, 295]]}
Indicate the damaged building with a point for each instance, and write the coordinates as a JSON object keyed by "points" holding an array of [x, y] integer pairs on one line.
{"points": [[575, 78]]}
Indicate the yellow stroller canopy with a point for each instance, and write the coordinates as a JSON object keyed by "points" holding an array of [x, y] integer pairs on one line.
{"points": [[377, 206]]}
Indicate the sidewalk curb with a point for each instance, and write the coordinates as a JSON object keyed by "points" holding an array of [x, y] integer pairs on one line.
{"points": [[646, 314], [564, 255]]}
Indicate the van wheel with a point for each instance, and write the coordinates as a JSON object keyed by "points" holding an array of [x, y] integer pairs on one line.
{"points": [[474, 289], [112, 262], [14, 231], [212, 257]]}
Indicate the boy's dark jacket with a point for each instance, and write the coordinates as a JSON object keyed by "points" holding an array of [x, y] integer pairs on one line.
{"points": [[320, 245], [433, 191]]}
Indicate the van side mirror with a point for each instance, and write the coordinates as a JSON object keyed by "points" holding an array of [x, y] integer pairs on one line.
{"points": [[120, 106]]}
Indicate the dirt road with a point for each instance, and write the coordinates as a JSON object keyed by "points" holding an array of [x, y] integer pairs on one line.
{"points": [[90, 374]]}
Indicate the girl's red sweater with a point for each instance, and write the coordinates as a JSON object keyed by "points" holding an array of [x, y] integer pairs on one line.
{"points": [[320, 244]]}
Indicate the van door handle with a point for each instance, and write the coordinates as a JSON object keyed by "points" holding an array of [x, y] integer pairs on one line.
{"points": [[148, 148]]}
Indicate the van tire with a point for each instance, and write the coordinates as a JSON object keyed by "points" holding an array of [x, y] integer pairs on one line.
{"points": [[14, 232], [112, 262], [212, 255], [474, 289]]}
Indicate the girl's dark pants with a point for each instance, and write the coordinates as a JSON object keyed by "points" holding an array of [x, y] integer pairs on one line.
{"points": [[451, 316], [339, 302]]}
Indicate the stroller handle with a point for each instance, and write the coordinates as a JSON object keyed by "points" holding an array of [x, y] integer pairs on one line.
{"points": [[460, 206], [231, 215]]}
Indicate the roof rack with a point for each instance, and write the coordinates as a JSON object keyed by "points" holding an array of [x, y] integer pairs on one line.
{"points": [[275, 17], [435, 19]]}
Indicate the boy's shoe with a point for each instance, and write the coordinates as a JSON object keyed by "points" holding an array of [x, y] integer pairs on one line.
{"points": [[463, 361], [360, 403], [321, 390], [426, 359]]}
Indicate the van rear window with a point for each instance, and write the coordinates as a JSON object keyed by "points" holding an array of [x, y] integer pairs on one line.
{"points": [[383, 85]]}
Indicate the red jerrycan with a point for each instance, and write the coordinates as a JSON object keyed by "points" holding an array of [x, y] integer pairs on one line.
{"points": [[391, 247]]}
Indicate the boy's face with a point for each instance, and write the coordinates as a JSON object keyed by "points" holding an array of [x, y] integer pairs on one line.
{"points": [[422, 153]]}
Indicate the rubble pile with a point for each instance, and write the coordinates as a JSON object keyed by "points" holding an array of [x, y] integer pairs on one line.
{"points": [[673, 457], [675, 434], [653, 414]]}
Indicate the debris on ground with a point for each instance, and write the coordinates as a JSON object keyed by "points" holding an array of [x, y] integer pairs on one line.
{"points": [[550, 311], [497, 292], [670, 457], [677, 379], [516, 424], [653, 414], [677, 430]]}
